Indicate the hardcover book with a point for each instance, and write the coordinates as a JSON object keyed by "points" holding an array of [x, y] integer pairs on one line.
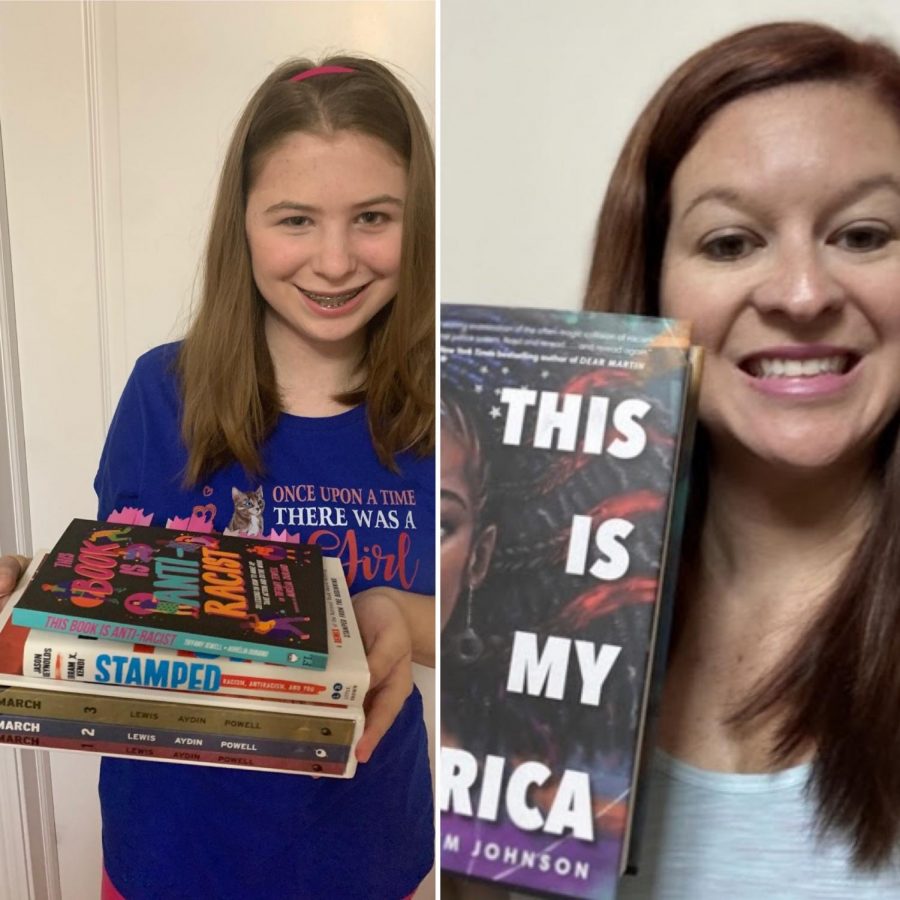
{"points": [[209, 593], [276, 735], [564, 443], [343, 682]]}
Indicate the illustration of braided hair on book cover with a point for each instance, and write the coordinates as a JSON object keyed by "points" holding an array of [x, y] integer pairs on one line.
{"points": [[507, 530]]}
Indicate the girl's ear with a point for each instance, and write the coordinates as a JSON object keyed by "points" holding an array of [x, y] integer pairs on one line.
{"points": [[480, 557]]}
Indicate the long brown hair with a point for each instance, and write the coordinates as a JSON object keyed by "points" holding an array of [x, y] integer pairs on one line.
{"points": [[231, 399], [840, 685]]}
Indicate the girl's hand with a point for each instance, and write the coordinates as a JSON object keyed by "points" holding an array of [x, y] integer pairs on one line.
{"points": [[11, 570], [418, 610], [389, 653]]}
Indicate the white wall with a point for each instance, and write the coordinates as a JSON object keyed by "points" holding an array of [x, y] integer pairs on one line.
{"points": [[114, 119], [537, 97]]}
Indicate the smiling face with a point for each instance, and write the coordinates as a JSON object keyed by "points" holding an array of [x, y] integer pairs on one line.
{"points": [[784, 252], [324, 224]]}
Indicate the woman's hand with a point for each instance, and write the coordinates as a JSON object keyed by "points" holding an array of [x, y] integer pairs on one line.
{"points": [[11, 570], [389, 653]]}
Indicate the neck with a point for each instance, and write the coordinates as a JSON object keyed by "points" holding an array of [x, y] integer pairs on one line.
{"points": [[783, 533], [309, 375], [772, 547]]}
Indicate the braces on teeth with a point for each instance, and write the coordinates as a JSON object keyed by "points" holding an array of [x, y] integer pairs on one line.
{"points": [[330, 302]]}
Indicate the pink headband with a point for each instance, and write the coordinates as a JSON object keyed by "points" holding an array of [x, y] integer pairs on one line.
{"points": [[321, 70]]}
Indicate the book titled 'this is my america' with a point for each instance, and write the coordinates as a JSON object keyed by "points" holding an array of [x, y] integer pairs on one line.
{"points": [[208, 593], [564, 444]]}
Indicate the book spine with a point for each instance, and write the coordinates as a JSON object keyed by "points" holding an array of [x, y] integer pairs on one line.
{"points": [[66, 658], [207, 757], [161, 737], [87, 708], [163, 637], [73, 735], [342, 683]]}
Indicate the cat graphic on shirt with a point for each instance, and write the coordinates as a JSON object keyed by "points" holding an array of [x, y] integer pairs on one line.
{"points": [[248, 512]]}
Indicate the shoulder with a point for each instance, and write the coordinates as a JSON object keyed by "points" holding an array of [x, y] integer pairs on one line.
{"points": [[151, 398], [158, 364], [154, 382]]}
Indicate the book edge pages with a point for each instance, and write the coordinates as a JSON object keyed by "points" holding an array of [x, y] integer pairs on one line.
{"points": [[656, 666]]}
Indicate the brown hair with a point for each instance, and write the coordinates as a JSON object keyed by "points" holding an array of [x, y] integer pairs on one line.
{"points": [[840, 685], [231, 399]]}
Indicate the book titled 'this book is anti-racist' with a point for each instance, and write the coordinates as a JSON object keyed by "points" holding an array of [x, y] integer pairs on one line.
{"points": [[343, 682], [209, 593], [564, 444]]}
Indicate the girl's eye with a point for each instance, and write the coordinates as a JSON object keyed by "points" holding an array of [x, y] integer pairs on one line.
{"points": [[372, 218], [863, 238], [447, 529], [296, 221], [729, 247]]}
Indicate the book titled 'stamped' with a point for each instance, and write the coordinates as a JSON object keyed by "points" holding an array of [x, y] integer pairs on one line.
{"points": [[203, 592], [563, 442]]}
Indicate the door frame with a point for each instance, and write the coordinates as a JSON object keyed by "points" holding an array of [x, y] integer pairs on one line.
{"points": [[30, 866]]}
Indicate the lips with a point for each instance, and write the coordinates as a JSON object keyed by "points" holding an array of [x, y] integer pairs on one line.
{"points": [[333, 300]]}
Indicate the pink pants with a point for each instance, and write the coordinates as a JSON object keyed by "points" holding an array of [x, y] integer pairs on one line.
{"points": [[108, 891]]}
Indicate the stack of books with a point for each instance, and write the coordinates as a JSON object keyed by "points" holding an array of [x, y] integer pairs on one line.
{"points": [[193, 648]]}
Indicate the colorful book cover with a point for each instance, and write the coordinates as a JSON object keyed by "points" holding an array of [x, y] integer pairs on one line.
{"points": [[208, 593], [343, 682], [561, 439]]}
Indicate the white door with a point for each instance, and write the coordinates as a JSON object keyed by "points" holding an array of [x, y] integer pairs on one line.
{"points": [[113, 121]]}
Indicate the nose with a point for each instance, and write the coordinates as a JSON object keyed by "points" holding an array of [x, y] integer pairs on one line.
{"points": [[800, 285], [334, 258]]}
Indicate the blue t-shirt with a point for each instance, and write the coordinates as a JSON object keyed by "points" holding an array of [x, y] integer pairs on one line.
{"points": [[186, 831]]}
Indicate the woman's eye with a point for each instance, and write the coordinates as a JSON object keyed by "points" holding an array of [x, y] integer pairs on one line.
{"points": [[729, 247], [296, 221], [863, 238]]}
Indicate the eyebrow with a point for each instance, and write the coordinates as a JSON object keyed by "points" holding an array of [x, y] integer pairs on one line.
{"points": [[447, 494], [725, 195], [853, 193], [292, 206]]}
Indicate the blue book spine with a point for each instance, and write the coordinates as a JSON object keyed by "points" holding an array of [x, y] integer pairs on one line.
{"points": [[164, 637]]}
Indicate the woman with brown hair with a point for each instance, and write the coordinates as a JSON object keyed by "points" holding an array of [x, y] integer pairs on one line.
{"points": [[758, 196], [299, 407]]}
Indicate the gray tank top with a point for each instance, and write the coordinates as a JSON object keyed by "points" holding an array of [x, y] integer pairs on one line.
{"points": [[718, 836]]}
